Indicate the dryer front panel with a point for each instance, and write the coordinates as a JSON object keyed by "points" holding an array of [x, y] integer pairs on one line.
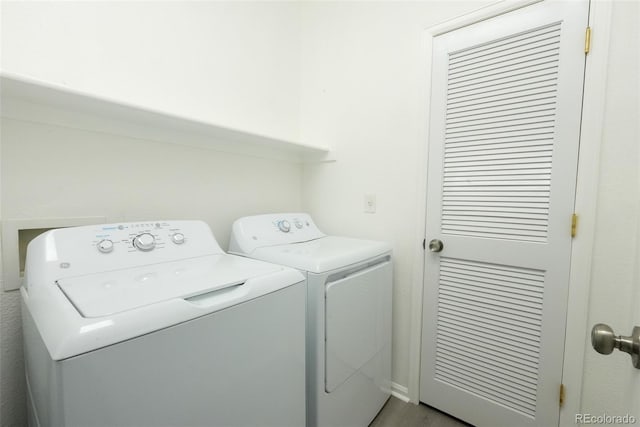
{"points": [[357, 322]]}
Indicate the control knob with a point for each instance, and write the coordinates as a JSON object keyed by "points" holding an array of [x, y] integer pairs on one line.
{"points": [[284, 226], [144, 242], [105, 246], [177, 238]]}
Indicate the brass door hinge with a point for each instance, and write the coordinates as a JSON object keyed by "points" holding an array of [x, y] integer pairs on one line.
{"points": [[561, 395], [587, 40], [574, 225]]}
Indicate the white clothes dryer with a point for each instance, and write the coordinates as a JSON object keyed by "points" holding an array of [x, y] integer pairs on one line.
{"points": [[152, 324], [349, 286]]}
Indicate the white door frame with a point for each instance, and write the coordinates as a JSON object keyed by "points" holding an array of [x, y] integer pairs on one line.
{"points": [[585, 205]]}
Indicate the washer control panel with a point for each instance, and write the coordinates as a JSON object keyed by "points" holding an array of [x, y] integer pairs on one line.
{"points": [[144, 237], [73, 251]]}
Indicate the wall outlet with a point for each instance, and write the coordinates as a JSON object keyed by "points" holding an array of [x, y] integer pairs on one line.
{"points": [[369, 203]]}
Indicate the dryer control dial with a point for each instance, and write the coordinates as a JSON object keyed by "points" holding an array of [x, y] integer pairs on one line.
{"points": [[144, 242], [284, 226], [105, 246]]}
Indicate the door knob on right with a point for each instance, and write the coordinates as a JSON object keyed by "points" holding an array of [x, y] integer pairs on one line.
{"points": [[604, 341]]}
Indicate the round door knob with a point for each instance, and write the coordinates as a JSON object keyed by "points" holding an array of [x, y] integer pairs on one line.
{"points": [[284, 226], [436, 245], [603, 339], [177, 238], [105, 246], [144, 242]]}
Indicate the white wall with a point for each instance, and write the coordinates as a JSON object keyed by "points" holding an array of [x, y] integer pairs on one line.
{"points": [[615, 269], [363, 89], [230, 63], [51, 171]]}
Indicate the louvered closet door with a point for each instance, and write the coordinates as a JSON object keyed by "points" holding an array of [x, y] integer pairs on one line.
{"points": [[504, 132]]}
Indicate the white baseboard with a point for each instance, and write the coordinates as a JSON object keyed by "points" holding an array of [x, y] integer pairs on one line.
{"points": [[400, 391]]}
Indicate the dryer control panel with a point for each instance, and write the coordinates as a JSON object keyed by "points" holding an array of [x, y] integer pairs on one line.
{"points": [[257, 231]]}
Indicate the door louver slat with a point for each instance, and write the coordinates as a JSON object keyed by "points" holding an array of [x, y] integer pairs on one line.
{"points": [[481, 146], [475, 352]]}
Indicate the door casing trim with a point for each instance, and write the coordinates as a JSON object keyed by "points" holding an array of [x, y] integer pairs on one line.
{"points": [[577, 330]]}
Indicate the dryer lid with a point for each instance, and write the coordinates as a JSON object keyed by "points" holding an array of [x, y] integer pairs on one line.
{"points": [[108, 293]]}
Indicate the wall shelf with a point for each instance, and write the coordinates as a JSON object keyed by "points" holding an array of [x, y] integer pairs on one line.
{"points": [[27, 99]]}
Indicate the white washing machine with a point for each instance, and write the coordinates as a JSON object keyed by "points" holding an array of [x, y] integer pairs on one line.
{"points": [[152, 324], [349, 285]]}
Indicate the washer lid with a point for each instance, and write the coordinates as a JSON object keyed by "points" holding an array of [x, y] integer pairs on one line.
{"points": [[107, 293], [323, 254], [78, 314]]}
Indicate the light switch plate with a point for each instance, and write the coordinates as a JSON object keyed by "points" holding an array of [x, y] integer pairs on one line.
{"points": [[369, 203]]}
